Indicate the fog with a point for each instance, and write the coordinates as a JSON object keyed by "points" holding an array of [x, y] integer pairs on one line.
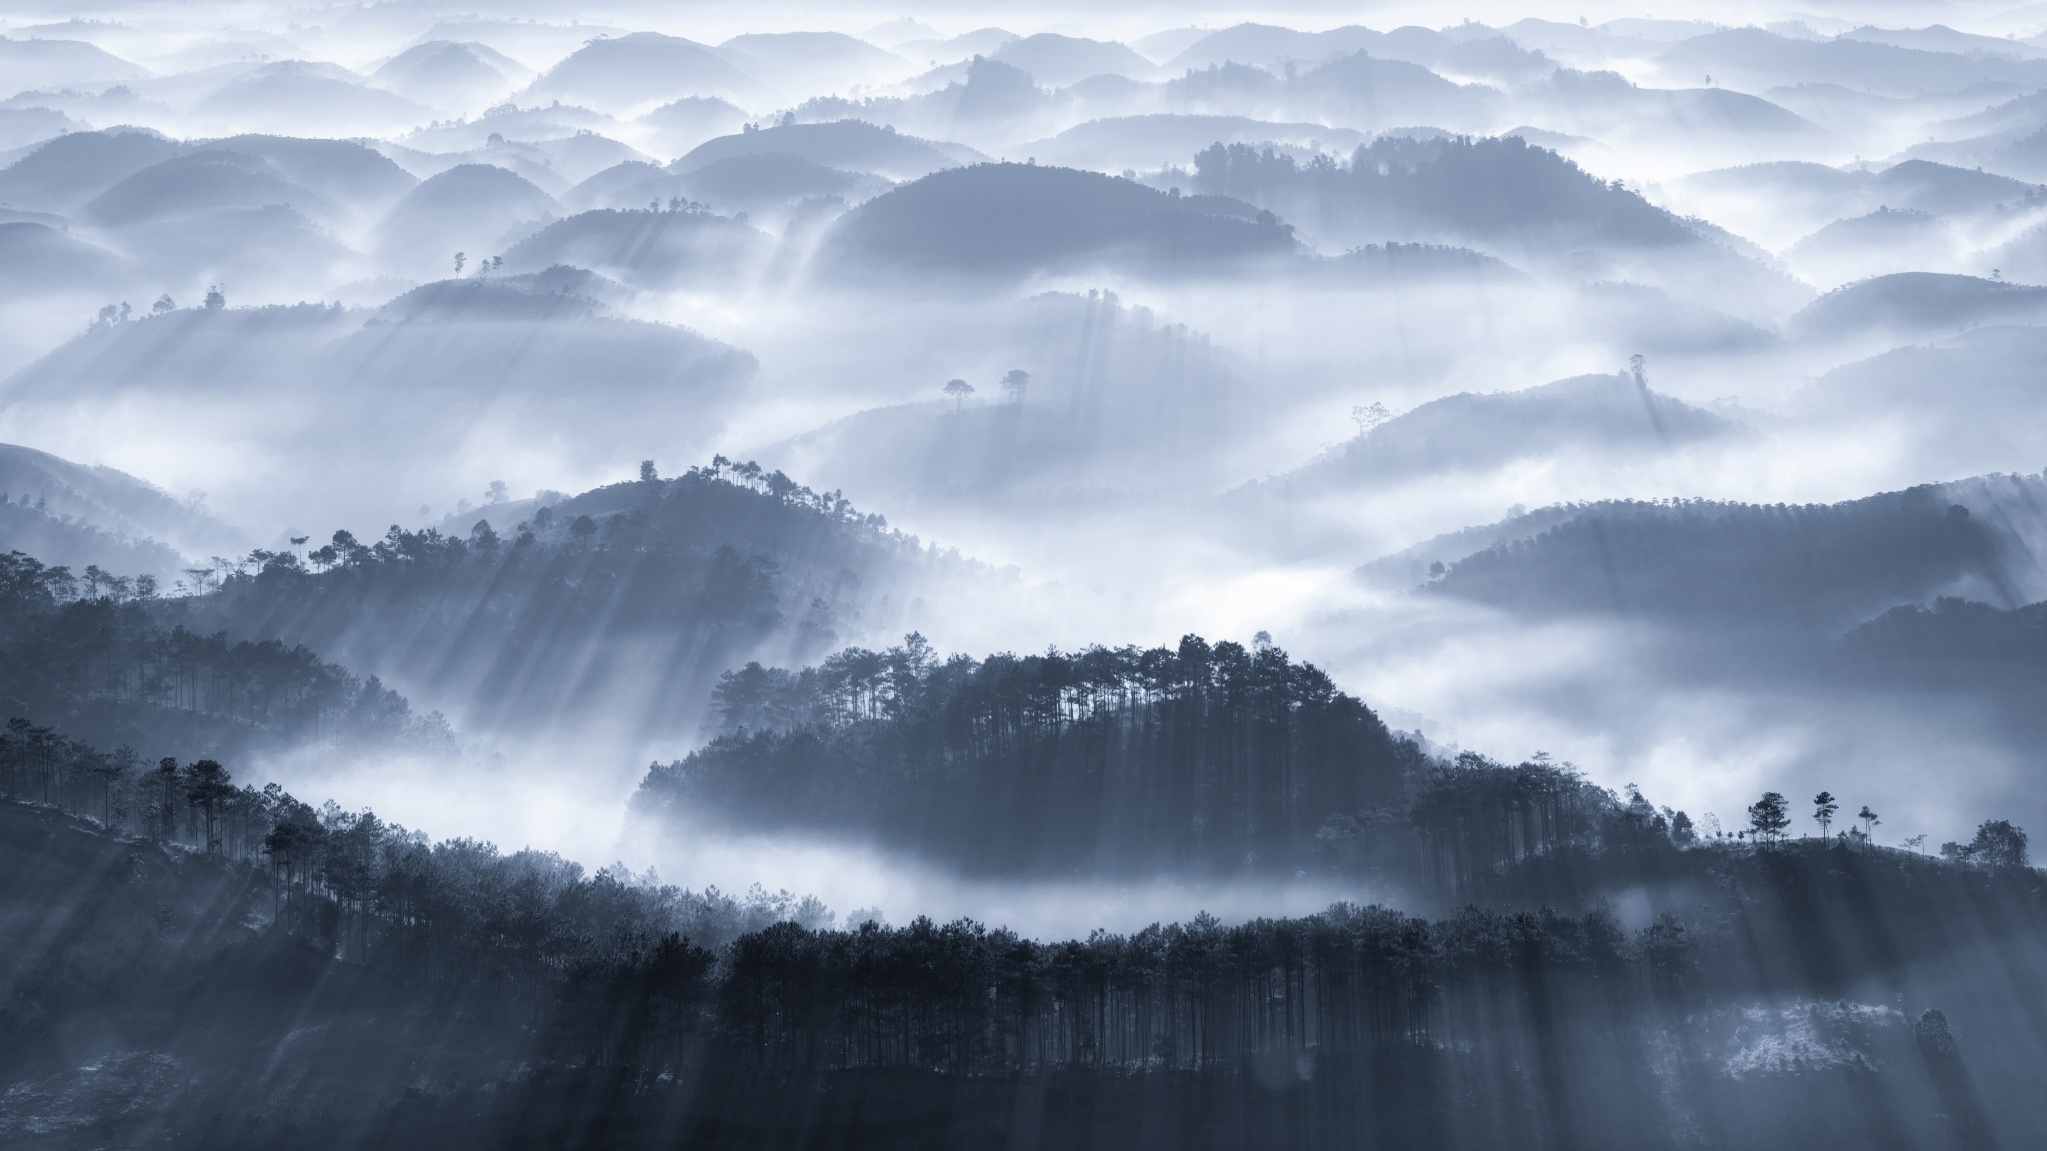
{"points": [[1654, 397]]}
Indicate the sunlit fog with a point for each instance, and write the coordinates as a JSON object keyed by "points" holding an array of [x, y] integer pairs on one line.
{"points": [[1062, 575]]}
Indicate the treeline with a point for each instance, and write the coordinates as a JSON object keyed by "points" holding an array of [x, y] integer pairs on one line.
{"points": [[1211, 757], [625, 601], [1495, 189], [113, 661], [1547, 1028]]}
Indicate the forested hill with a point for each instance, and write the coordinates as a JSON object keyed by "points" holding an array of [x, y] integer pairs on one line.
{"points": [[107, 659], [618, 607], [1817, 569], [1123, 760], [250, 972]]}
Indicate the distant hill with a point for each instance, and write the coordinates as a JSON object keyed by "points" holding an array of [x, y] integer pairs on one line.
{"points": [[446, 74], [851, 145], [646, 248], [1917, 302], [36, 259], [1055, 61], [998, 222], [1754, 59], [197, 182], [624, 73], [30, 64], [295, 96], [1149, 142], [1783, 572], [112, 501], [469, 208], [345, 171], [62, 174], [1600, 414]]}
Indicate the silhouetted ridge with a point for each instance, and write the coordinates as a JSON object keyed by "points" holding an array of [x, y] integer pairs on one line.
{"points": [[1738, 565], [1119, 760], [624, 602]]}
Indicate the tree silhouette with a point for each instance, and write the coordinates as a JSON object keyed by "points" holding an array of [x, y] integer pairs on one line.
{"points": [[1014, 382], [959, 390], [1869, 821], [1823, 808], [1768, 817], [207, 787], [461, 258]]}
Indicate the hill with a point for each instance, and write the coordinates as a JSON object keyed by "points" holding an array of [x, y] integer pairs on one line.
{"points": [[478, 209], [113, 502], [851, 145], [647, 248], [610, 613], [996, 222], [64, 173], [1909, 303], [642, 69]]}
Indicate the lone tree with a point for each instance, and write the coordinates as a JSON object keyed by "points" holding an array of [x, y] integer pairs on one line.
{"points": [[959, 390], [1015, 382], [1823, 809], [1997, 844], [1869, 821], [1769, 816]]}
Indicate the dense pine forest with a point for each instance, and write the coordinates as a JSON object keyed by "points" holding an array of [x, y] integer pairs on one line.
{"points": [[1121, 760], [454, 989]]}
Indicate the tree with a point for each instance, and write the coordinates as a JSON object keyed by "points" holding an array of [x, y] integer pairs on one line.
{"points": [[497, 493], [164, 812], [1015, 382], [215, 298], [1823, 808], [1768, 816], [1869, 821], [1369, 416], [647, 473], [1681, 831], [1998, 844], [163, 304], [207, 787], [959, 390], [461, 258]]}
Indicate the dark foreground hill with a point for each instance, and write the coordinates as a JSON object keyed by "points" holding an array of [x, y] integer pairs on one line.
{"points": [[248, 972]]}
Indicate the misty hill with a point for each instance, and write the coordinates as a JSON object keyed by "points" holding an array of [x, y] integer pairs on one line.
{"points": [[1609, 106], [197, 182], [446, 74], [1160, 140], [297, 97], [623, 73], [21, 127], [1055, 61], [66, 542], [53, 63], [447, 354], [676, 127], [767, 180], [470, 208], [36, 259], [1363, 91], [646, 248], [1882, 241], [1754, 59], [852, 145], [615, 609], [345, 171], [65, 172], [994, 222], [1955, 642], [1470, 50], [1968, 401], [111, 501], [1589, 415], [1910, 302], [940, 760], [806, 63], [1730, 567], [1118, 408]]}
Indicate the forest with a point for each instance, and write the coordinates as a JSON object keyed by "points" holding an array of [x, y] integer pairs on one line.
{"points": [[541, 1003], [1120, 760]]}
